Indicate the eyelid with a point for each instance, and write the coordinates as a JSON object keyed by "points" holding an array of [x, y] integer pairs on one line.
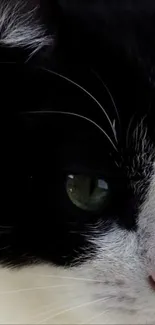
{"points": [[86, 172], [101, 169], [108, 175]]}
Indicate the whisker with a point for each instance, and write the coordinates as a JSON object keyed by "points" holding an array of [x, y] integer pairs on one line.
{"points": [[77, 115], [49, 311], [128, 130], [71, 278], [33, 289], [5, 247], [88, 93], [89, 321], [138, 131], [72, 308], [138, 126], [109, 93], [140, 134]]}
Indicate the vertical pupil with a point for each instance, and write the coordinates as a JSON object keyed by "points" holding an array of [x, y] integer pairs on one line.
{"points": [[92, 186]]}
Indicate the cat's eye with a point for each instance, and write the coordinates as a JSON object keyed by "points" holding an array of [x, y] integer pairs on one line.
{"points": [[86, 192]]}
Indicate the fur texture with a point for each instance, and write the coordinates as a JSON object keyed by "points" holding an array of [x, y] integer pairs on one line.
{"points": [[60, 264], [20, 26]]}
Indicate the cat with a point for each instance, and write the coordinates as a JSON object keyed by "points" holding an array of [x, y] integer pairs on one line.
{"points": [[77, 230]]}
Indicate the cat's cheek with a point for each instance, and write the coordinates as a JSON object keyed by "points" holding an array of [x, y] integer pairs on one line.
{"points": [[146, 228]]}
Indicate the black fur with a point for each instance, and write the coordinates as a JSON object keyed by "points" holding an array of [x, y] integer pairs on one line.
{"points": [[111, 39]]}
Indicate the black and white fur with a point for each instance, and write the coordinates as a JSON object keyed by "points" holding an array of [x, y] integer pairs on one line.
{"points": [[77, 94]]}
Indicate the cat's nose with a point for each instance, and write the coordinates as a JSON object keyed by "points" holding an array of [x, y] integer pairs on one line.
{"points": [[152, 280]]}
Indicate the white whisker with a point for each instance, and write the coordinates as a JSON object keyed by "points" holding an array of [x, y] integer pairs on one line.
{"points": [[109, 93], [89, 94], [128, 129], [33, 289], [49, 311], [77, 115], [89, 321], [72, 308], [71, 278], [5, 247]]}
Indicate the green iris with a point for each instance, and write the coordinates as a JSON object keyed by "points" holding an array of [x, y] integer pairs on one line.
{"points": [[86, 192]]}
